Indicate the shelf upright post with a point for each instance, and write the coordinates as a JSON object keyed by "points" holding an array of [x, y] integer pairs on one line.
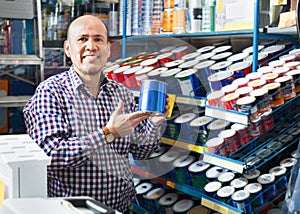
{"points": [[40, 37], [124, 29], [255, 36]]}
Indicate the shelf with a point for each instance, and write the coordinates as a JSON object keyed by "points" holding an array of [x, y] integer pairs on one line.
{"points": [[167, 182], [13, 101], [19, 59], [183, 145]]}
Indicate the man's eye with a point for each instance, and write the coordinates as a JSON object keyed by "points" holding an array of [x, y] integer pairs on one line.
{"points": [[99, 40], [82, 39]]}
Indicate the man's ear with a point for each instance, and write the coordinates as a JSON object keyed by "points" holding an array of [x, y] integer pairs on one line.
{"points": [[67, 48], [108, 50]]}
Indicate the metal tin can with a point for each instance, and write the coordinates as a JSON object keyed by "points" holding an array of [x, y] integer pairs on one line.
{"points": [[275, 94], [280, 174], [216, 126], [241, 69], [273, 50], [174, 64], [216, 145], [141, 191], [214, 172], [270, 77], [287, 87], [238, 57], [183, 206], [276, 63], [199, 209], [240, 82], [190, 83], [165, 57], [292, 65], [141, 75], [269, 187], [181, 165], [262, 58], [239, 183], [287, 58], [226, 177], [256, 195], [212, 188], [173, 84], [197, 172], [204, 72], [199, 126], [119, 73], [224, 194], [244, 91], [252, 175], [230, 140], [129, 76], [153, 95], [248, 105], [254, 76], [166, 161], [220, 79], [167, 201], [220, 57], [265, 70], [243, 134], [206, 49], [180, 51], [222, 49], [214, 98], [188, 64], [280, 71], [249, 50], [220, 66], [228, 89], [240, 200], [205, 56], [152, 198], [296, 77], [255, 84], [228, 101], [183, 125], [190, 56]]}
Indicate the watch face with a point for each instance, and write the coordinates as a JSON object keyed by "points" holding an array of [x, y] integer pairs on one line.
{"points": [[110, 138]]}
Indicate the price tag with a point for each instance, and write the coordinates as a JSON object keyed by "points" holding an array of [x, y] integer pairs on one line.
{"points": [[217, 207], [232, 116], [171, 184], [224, 162]]}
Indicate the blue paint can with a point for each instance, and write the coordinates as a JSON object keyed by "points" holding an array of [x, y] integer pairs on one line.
{"points": [[204, 72], [183, 126], [224, 194], [166, 162], [240, 200], [190, 83], [212, 188], [269, 187], [256, 195], [173, 83], [280, 177], [220, 79], [152, 96]]}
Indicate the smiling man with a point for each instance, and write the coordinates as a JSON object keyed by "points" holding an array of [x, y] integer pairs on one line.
{"points": [[89, 124]]}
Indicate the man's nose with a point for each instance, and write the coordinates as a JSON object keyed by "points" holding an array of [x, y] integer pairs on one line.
{"points": [[90, 44]]}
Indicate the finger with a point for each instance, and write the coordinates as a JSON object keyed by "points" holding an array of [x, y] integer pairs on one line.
{"points": [[119, 108]]}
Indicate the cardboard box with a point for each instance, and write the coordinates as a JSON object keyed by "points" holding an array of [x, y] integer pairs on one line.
{"points": [[234, 15], [293, 5]]}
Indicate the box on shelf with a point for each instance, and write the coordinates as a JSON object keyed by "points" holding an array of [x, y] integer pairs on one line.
{"points": [[234, 15]]}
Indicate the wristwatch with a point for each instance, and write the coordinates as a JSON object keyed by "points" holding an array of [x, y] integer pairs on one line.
{"points": [[109, 137]]}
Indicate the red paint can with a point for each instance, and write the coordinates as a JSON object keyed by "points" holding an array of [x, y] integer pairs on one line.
{"points": [[164, 58], [230, 139], [243, 133], [119, 73]]}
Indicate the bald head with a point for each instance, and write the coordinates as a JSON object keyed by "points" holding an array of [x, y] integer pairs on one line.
{"points": [[84, 20]]}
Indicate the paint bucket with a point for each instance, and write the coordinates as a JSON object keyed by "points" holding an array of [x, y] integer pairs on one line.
{"points": [[221, 56], [224, 194], [173, 83], [183, 125], [155, 74], [239, 57], [273, 50], [249, 50], [153, 197], [220, 66], [141, 191], [166, 161], [190, 56], [142, 75], [212, 188], [204, 72], [190, 83], [220, 79], [167, 201], [153, 95], [183, 206], [206, 49], [199, 127], [181, 165], [222, 49], [241, 69], [197, 172], [129, 76]]}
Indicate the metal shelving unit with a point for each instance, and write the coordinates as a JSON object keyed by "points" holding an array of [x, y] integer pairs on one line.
{"points": [[31, 12]]}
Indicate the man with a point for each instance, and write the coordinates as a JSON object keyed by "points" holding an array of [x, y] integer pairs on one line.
{"points": [[88, 124]]}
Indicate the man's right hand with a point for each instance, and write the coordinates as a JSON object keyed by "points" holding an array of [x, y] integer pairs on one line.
{"points": [[121, 125]]}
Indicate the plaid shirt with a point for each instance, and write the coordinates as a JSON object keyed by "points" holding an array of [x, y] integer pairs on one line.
{"points": [[66, 121]]}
